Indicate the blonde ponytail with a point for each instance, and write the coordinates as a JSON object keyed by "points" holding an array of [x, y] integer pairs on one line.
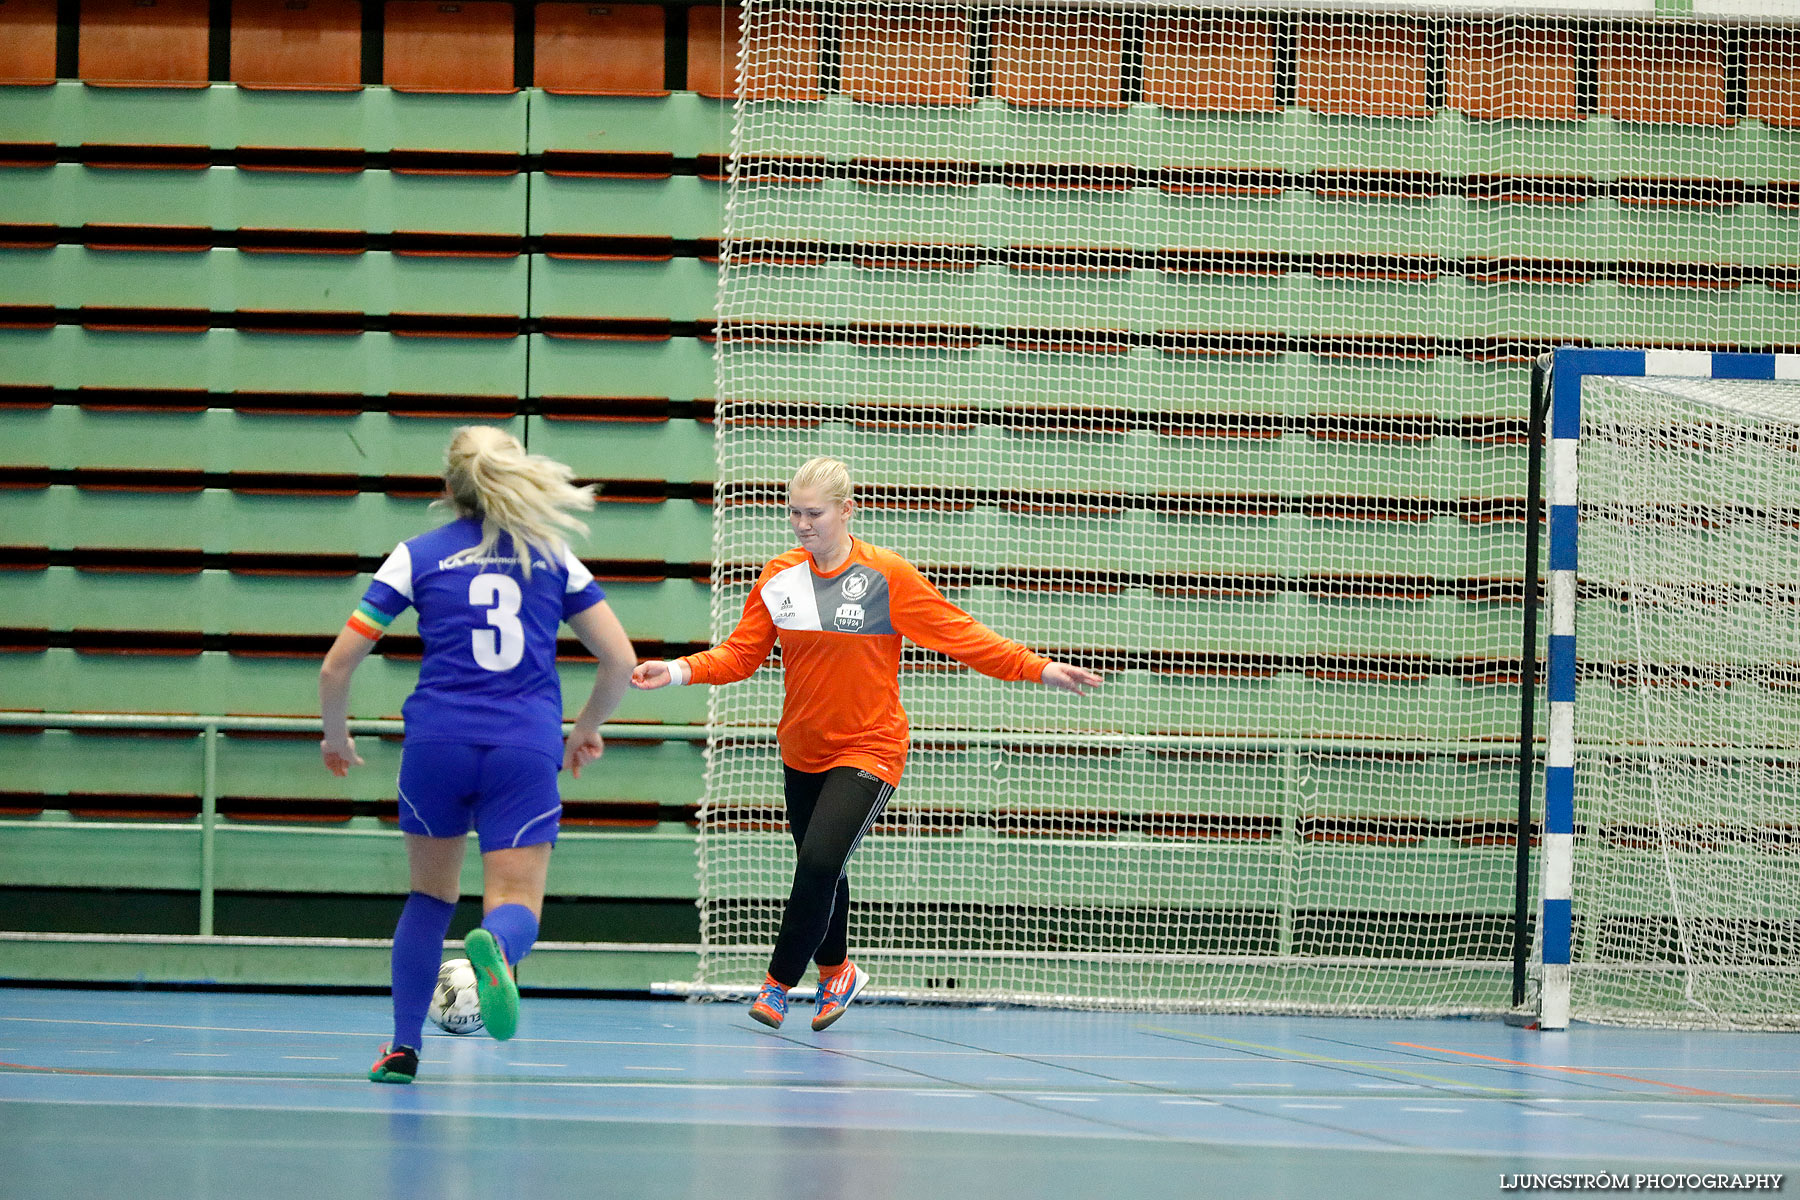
{"points": [[488, 474]]}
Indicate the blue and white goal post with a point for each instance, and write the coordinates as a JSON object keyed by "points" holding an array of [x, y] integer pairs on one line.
{"points": [[1565, 895]]}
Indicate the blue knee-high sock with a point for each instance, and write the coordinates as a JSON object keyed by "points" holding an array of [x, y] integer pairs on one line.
{"points": [[418, 952], [516, 927]]}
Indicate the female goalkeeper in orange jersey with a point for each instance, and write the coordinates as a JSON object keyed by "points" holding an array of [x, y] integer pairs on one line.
{"points": [[840, 608]]}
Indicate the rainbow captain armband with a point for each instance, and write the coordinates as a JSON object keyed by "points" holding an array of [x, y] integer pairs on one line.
{"points": [[369, 621]]}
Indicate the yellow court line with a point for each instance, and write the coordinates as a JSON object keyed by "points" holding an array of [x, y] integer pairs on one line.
{"points": [[1303, 1056]]}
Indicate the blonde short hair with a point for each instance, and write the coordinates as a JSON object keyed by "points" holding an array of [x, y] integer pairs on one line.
{"points": [[488, 474], [827, 476]]}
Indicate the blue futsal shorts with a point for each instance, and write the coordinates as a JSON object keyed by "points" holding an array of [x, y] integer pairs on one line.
{"points": [[507, 794]]}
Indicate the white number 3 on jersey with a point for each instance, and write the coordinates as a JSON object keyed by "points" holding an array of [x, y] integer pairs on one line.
{"points": [[499, 648]]}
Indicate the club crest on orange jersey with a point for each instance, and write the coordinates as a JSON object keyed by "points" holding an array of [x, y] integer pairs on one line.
{"points": [[856, 586], [849, 617]]}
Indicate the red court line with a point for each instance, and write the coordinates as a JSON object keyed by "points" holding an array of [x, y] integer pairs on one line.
{"points": [[29, 1069], [1674, 1087]]}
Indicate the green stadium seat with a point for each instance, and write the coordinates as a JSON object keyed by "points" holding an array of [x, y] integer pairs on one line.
{"points": [[65, 436], [661, 610], [31, 192], [79, 277], [59, 854], [1240, 223], [1366, 546], [901, 374], [1156, 463], [1377, 785], [63, 680], [370, 443], [1340, 307], [1024, 298], [1481, 550], [368, 523], [1367, 626], [681, 449], [673, 368], [673, 531], [210, 601], [1335, 385], [226, 280], [214, 520], [377, 201], [1234, 545], [1243, 141], [372, 364], [1375, 225], [681, 123], [1485, 388], [1521, 146], [396, 120], [677, 206], [225, 360], [265, 767], [1052, 134], [1069, 216], [1249, 303], [670, 772], [1331, 142], [810, 294], [844, 211], [1536, 230], [1372, 467], [1488, 470], [1540, 312], [72, 113], [1663, 149], [902, 132], [668, 289], [56, 763], [1669, 313], [79, 195], [1210, 383], [994, 376], [1670, 233]]}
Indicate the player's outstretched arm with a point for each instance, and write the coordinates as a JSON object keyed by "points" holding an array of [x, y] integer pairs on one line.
{"points": [[1068, 678], [599, 630], [338, 748]]}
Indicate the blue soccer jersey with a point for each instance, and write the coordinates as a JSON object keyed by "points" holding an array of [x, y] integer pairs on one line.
{"points": [[489, 671]]}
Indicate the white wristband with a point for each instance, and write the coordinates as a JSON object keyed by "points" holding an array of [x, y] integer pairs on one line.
{"points": [[679, 673]]}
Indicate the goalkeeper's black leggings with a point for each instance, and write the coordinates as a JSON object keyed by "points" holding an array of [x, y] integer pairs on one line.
{"points": [[828, 814]]}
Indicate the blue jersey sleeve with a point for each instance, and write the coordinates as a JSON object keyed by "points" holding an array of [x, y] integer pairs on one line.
{"points": [[388, 595]]}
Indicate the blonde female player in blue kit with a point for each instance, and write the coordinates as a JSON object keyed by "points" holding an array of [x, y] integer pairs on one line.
{"points": [[484, 725]]}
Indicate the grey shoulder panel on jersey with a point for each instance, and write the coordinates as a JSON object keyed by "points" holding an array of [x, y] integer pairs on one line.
{"points": [[855, 601]]}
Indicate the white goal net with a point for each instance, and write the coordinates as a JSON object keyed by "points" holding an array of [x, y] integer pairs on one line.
{"points": [[1193, 346], [1687, 709]]}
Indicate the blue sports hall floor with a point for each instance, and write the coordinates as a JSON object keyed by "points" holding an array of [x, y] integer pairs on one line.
{"points": [[143, 1094]]}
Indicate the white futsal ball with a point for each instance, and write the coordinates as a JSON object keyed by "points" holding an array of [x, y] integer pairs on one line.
{"points": [[454, 1008]]}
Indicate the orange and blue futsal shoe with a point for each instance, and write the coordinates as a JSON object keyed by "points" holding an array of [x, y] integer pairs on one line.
{"points": [[836, 991], [770, 1006], [496, 993]]}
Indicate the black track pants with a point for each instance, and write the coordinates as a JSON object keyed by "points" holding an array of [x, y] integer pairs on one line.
{"points": [[828, 814]]}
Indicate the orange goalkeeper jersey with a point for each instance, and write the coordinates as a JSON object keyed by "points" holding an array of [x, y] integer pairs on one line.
{"points": [[840, 653]]}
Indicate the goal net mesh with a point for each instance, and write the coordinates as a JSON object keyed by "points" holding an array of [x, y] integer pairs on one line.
{"points": [[1192, 347], [1687, 708]]}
